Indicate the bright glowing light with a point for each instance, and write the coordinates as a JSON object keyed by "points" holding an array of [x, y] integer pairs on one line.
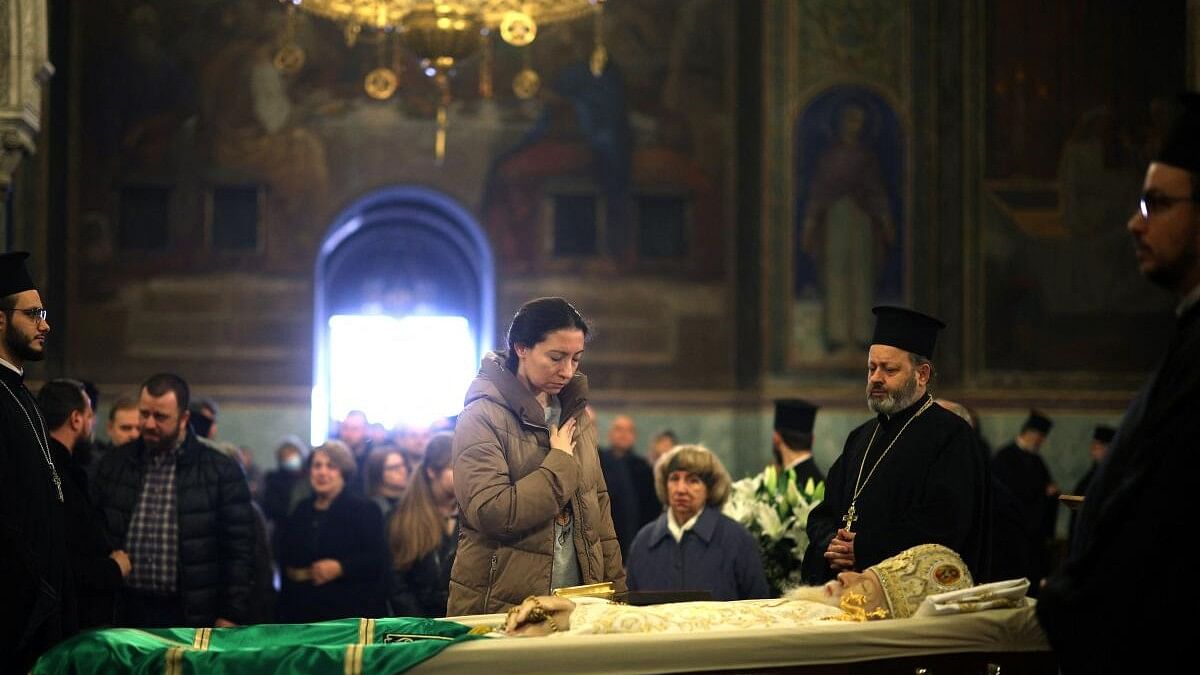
{"points": [[319, 424], [410, 370]]}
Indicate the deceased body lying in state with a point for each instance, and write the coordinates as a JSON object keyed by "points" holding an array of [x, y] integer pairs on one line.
{"points": [[919, 602]]}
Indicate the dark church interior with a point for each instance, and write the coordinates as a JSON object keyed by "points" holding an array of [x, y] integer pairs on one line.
{"points": [[307, 208]]}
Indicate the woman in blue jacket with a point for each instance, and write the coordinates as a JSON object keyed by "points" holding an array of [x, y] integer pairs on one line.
{"points": [[693, 546]]}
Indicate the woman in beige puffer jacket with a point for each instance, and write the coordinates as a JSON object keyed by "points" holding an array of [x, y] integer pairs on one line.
{"points": [[534, 506]]}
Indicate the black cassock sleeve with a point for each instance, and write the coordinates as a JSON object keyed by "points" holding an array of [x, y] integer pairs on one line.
{"points": [[825, 519]]}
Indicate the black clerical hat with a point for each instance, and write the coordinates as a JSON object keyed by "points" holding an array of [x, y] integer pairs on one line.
{"points": [[906, 329], [1038, 422], [1104, 434], [93, 392], [1181, 147], [795, 414], [14, 278], [201, 424]]}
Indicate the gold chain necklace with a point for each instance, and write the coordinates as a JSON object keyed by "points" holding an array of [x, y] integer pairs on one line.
{"points": [[859, 483]]}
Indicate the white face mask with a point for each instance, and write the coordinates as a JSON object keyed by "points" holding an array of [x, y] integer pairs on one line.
{"points": [[292, 463]]}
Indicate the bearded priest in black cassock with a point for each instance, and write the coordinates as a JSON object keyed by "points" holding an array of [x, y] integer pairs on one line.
{"points": [[35, 605], [913, 475]]}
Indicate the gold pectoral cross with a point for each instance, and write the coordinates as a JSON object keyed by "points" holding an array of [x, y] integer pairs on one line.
{"points": [[850, 517]]}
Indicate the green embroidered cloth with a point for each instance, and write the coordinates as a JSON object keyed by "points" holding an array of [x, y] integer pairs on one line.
{"points": [[345, 647]]}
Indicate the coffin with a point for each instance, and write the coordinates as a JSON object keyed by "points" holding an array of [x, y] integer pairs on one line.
{"points": [[991, 641], [963, 643]]}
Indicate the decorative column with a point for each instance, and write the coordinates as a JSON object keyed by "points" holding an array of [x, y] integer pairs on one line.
{"points": [[24, 69], [1193, 45]]}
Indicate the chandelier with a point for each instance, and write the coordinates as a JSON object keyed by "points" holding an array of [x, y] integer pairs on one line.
{"points": [[442, 33]]}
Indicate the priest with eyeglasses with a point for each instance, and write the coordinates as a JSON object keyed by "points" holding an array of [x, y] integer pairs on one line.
{"points": [[1138, 521], [35, 606], [912, 475]]}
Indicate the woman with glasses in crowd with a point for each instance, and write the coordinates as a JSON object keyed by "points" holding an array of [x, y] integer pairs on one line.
{"points": [[387, 477]]}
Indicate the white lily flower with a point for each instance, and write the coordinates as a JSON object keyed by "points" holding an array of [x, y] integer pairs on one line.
{"points": [[768, 519], [794, 498], [740, 509]]}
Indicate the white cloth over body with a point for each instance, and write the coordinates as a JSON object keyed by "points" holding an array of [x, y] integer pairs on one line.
{"points": [[599, 617]]}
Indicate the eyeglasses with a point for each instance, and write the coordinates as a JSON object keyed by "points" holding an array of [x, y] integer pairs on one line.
{"points": [[1150, 203], [34, 313], [393, 467]]}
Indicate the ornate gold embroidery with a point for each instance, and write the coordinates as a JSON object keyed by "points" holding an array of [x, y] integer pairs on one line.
{"points": [[854, 608]]}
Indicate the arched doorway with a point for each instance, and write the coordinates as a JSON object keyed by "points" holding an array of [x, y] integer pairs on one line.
{"points": [[403, 309]]}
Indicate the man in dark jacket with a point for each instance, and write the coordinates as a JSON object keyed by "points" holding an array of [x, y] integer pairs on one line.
{"points": [[96, 568], [281, 484], [122, 428], [182, 510], [630, 482]]}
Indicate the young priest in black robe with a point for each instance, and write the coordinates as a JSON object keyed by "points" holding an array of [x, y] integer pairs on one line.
{"points": [[792, 442], [1101, 438], [1125, 599], [913, 475], [34, 589], [1020, 468]]}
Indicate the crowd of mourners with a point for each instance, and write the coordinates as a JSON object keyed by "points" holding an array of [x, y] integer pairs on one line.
{"points": [[166, 527]]}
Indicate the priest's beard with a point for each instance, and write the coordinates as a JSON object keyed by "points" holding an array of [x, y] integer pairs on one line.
{"points": [[1171, 273], [20, 345], [894, 401]]}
